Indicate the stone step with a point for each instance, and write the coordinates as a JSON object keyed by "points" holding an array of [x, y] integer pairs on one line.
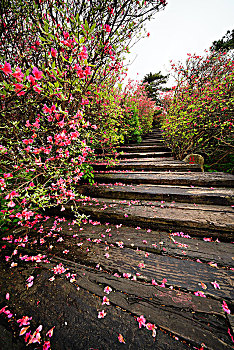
{"points": [[141, 148], [150, 166], [174, 244], [199, 195], [151, 139], [174, 312], [216, 179], [162, 153], [148, 156], [198, 220]]}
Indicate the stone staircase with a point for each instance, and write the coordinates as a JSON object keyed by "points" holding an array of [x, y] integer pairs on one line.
{"points": [[156, 203], [158, 235]]}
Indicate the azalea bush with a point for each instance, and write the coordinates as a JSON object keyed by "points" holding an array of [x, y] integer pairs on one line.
{"points": [[199, 115], [139, 111], [59, 65]]}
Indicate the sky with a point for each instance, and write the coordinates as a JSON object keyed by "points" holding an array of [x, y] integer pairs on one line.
{"points": [[185, 26]]}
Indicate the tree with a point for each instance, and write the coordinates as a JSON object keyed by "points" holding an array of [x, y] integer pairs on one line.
{"points": [[154, 82], [224, 44]]}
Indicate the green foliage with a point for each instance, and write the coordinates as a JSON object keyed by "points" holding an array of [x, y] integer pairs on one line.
{"points": [[138, 112], [199, 117], [154, 84], [224, 44]]}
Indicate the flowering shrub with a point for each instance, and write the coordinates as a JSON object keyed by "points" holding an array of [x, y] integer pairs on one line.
{"points": [[59, 63], [138, 112], [199, 117]]}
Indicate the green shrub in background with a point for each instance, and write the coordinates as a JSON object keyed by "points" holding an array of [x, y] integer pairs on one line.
{"points": [[199, 116]]}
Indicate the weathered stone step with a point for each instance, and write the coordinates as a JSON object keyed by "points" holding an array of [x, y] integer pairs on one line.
{"points": [[184, 315], [148, 156], [151, 140], [174, 244], [199, 220], [184, 274], [74, 313], [199, 195], [193, 179], [150, 166], [132, 155], [142, 148]]}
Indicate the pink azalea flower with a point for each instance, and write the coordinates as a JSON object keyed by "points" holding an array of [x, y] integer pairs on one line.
{"points": [[207, 239], [6, 68], [141, 320], [225, 307], [151, 327], [105, 300], [24, 321], [7, 296], [87, 71], [126, 275], [50, 332], [58, 269], [37, 73], [200, 294], [83, 54], [23, 330], [101, 314], [11, 204], [37, 88], [121, 339], [107, 290], [46, 345], [30, 281], [53, 52], [141, 265], [163, 283], [18, 74], [18, 87], [36, 337], [215, 284], [107, 28]]}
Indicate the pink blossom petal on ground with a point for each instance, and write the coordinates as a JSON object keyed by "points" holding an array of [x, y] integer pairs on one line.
{"points": [[107, 290], [141, 321], [50, 332], [200, 294], [121, 339], [225, 307], [101, 314]]}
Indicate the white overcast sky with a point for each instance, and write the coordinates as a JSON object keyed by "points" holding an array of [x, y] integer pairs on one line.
{"points": [[185, 26]]}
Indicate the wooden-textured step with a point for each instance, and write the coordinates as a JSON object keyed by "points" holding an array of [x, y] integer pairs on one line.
{"points": [[193, 179], [141, 148], [150, 166], [193, 319], [132, 155], [175, 244], [199, 220], [200, 195]]}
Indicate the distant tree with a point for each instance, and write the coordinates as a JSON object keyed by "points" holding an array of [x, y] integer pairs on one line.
{"points": [[154, 84], [224, 44]]}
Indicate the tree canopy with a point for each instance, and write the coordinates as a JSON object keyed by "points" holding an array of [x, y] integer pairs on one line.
{"points": [[226, 43], [154, 84]]}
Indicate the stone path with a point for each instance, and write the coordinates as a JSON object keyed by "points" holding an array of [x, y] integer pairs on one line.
{"points": [[158, 235]]}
